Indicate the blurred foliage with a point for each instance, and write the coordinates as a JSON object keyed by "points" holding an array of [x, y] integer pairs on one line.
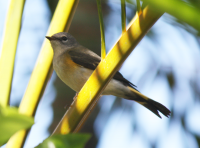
{"points": [[178, 23], [65, 141], [11, 122], [173, 20], [168, 74], [186, 13]]}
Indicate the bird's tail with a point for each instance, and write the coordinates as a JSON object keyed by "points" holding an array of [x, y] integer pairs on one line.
{"points": [[150, 104]]}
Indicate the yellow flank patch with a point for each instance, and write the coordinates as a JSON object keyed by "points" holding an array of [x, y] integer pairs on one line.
{"points": [[70, 62], [71, 65], [137, 92], [72, 74]]}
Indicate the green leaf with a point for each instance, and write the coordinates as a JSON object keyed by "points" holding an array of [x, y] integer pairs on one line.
{"points": [[123, 15], [103, 46], [138, 6], [12, 121], [180, 9], [65, 141]]}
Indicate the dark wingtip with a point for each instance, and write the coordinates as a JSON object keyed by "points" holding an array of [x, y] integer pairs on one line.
{"points": [[158, 115], [152, 105], [165, 111], [168, 114], [161, 108]]}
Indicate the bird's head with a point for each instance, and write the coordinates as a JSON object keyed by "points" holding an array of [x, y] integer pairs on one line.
{"points": [[62, 41]]}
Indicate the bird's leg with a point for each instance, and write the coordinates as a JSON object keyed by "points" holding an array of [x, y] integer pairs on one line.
{"points": [[74, 99], [75, 96]]}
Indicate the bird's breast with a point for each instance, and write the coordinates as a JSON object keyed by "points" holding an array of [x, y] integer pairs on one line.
{"points": [[71, 73]]}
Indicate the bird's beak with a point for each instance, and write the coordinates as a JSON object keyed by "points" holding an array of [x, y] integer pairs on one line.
{"points": [[50, 38]]}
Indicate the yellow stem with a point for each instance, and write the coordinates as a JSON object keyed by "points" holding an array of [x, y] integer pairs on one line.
{"points": [[9, 46], [63, 14]]}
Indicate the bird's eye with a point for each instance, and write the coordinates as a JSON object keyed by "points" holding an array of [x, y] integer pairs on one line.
{"points": [[64, 38]]}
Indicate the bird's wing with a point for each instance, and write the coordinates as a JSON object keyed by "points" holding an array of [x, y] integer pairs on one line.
{"points": [[88, 59], [85, 58]]}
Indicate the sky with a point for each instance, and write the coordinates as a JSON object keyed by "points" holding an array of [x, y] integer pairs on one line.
{"points": [[171, 50]]}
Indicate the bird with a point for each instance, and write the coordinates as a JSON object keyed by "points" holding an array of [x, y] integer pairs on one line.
{"points": [[74, 63]]}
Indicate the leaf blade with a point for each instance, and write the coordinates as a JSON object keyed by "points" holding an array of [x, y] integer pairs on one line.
{"points": [[12, 121], [68, 140]]}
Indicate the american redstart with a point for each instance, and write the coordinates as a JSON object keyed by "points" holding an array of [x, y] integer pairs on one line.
{"points": [[74, 64]]}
